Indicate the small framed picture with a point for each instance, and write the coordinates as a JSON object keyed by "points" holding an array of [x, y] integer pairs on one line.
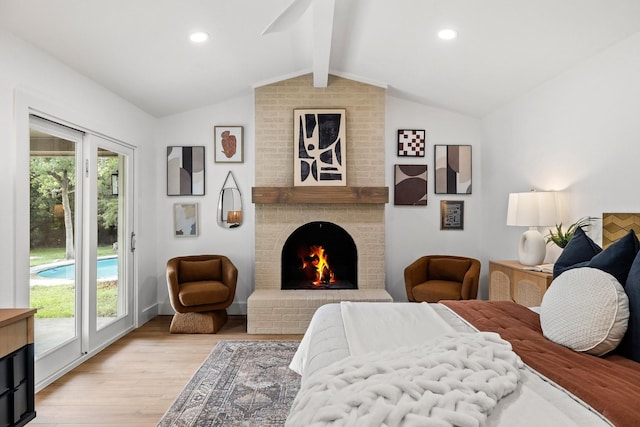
{"points": [[411, 142], [185, 219], [451, 215], [228, 144]]}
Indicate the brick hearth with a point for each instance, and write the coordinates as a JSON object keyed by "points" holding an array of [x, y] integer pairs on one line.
{"points": [[289, 312]]}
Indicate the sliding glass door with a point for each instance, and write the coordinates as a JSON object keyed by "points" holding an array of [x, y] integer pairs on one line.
{"points": [[110, 242], [80, 238]]}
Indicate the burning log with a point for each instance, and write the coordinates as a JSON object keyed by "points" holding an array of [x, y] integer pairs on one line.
{"points": [[315, 265]]}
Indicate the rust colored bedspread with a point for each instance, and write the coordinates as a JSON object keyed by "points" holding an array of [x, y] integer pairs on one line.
{"points": [[610, 384]]}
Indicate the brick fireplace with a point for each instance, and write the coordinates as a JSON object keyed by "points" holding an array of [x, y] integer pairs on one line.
{"points": [[280, 208]]}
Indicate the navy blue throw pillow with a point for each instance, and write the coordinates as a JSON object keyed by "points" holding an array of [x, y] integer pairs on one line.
{"points": [[618, 258], [630, 345], [579, 250]]}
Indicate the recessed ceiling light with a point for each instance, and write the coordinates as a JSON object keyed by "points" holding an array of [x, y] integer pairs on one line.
{"points": [[447, 34], [199, 37]]}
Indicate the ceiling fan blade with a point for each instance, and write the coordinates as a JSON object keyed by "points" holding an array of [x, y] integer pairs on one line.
{"points": [[288, 17]]}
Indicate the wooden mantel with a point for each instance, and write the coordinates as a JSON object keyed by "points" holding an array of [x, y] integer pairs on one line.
{"points": [[325, 195]]}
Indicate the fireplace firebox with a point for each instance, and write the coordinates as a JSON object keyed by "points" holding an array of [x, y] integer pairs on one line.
{"points": [[319, 255]]}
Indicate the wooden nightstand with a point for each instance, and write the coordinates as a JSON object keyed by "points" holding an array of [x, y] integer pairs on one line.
{"points": [[508, 280]]}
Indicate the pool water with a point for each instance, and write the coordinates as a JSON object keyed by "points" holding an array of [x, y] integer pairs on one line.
{"points": [[107, 267]]}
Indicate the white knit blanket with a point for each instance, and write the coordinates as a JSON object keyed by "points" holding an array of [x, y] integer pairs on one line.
{"points": [[453, 380]]}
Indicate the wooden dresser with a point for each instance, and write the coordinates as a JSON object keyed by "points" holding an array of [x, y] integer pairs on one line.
{"points": [[510, 281], [17, 406]]}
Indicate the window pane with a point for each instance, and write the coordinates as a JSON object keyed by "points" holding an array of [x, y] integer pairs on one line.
{"points": [[52, 237]]}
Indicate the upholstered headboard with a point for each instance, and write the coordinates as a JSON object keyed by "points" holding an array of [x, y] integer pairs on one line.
{"points": [[616, 225]]}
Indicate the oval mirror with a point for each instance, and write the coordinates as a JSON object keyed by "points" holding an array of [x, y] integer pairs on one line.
{"points": [[230, 204]]}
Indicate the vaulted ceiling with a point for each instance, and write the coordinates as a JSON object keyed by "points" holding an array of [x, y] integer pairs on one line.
{"points": [[140, 49]]}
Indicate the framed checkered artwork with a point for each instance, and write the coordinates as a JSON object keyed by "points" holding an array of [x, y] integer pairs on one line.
{"points": [[411, 142]]}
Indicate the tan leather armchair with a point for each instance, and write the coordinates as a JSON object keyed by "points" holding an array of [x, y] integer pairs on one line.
{"points": [[201, 287], [432, 278]]}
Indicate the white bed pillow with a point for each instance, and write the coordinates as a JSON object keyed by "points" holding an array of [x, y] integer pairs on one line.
{"points": [[585, 309]]}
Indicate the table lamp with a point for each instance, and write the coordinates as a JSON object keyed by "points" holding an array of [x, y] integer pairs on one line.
{"points": [[532, 209]]}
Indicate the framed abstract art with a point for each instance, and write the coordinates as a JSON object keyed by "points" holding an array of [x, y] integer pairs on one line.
{"points": [[410, 185], [228, 144], [451, 215], [452, 169], [185, 219], [185, 171], [320, 147]]}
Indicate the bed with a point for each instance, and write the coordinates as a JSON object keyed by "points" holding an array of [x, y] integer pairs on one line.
{"points": [[492, 363]]}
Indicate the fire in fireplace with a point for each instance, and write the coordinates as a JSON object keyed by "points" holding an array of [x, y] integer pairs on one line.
{"points": [[319, 255]]}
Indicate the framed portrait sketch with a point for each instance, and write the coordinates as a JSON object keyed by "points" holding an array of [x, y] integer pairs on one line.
{"points": [[411, 142], [452, 169], [185, 219], [185, 171], [320, 147], [228, 144], [451, 215]]}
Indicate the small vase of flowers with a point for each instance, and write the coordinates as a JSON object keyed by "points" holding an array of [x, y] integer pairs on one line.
{"points": [[561, 238]]}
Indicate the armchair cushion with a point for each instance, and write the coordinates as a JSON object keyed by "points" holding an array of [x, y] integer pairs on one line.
{"points": [[202, 292], [193, 271], [448, 269], [436, 290]]}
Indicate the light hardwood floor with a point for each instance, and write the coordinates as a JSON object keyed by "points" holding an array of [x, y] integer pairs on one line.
{"points": [[133, 381]]}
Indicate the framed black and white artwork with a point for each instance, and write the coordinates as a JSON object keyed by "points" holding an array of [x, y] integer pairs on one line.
{"points": [[320, 147]]}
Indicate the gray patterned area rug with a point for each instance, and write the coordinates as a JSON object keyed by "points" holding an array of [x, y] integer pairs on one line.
{"points": [[242, 383]]}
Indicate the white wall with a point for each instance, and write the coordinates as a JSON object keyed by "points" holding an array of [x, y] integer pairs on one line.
{"points": [[38, 79], [413, 231], [196, 128], [578, 133]]}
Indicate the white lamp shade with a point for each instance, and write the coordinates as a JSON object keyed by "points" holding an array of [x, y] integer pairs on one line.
{"points": [[533, 209]]}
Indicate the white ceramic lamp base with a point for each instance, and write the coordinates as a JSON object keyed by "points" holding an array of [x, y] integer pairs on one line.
{"points": [[533, 248]]}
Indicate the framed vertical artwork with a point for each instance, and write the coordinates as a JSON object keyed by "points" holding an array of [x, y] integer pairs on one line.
{"points": [[451, 215], [228, 144], [410, 185], [185, 171], [320, 147], [452, 169], [411, 142], [185, 219]]}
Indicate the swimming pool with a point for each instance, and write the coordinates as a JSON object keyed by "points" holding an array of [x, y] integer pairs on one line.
{"points": [[107, 267]]}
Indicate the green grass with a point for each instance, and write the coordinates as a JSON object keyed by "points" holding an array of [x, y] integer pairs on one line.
{"points": [[108, 299], [45, 256], [53, 301], [59, 301]]}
